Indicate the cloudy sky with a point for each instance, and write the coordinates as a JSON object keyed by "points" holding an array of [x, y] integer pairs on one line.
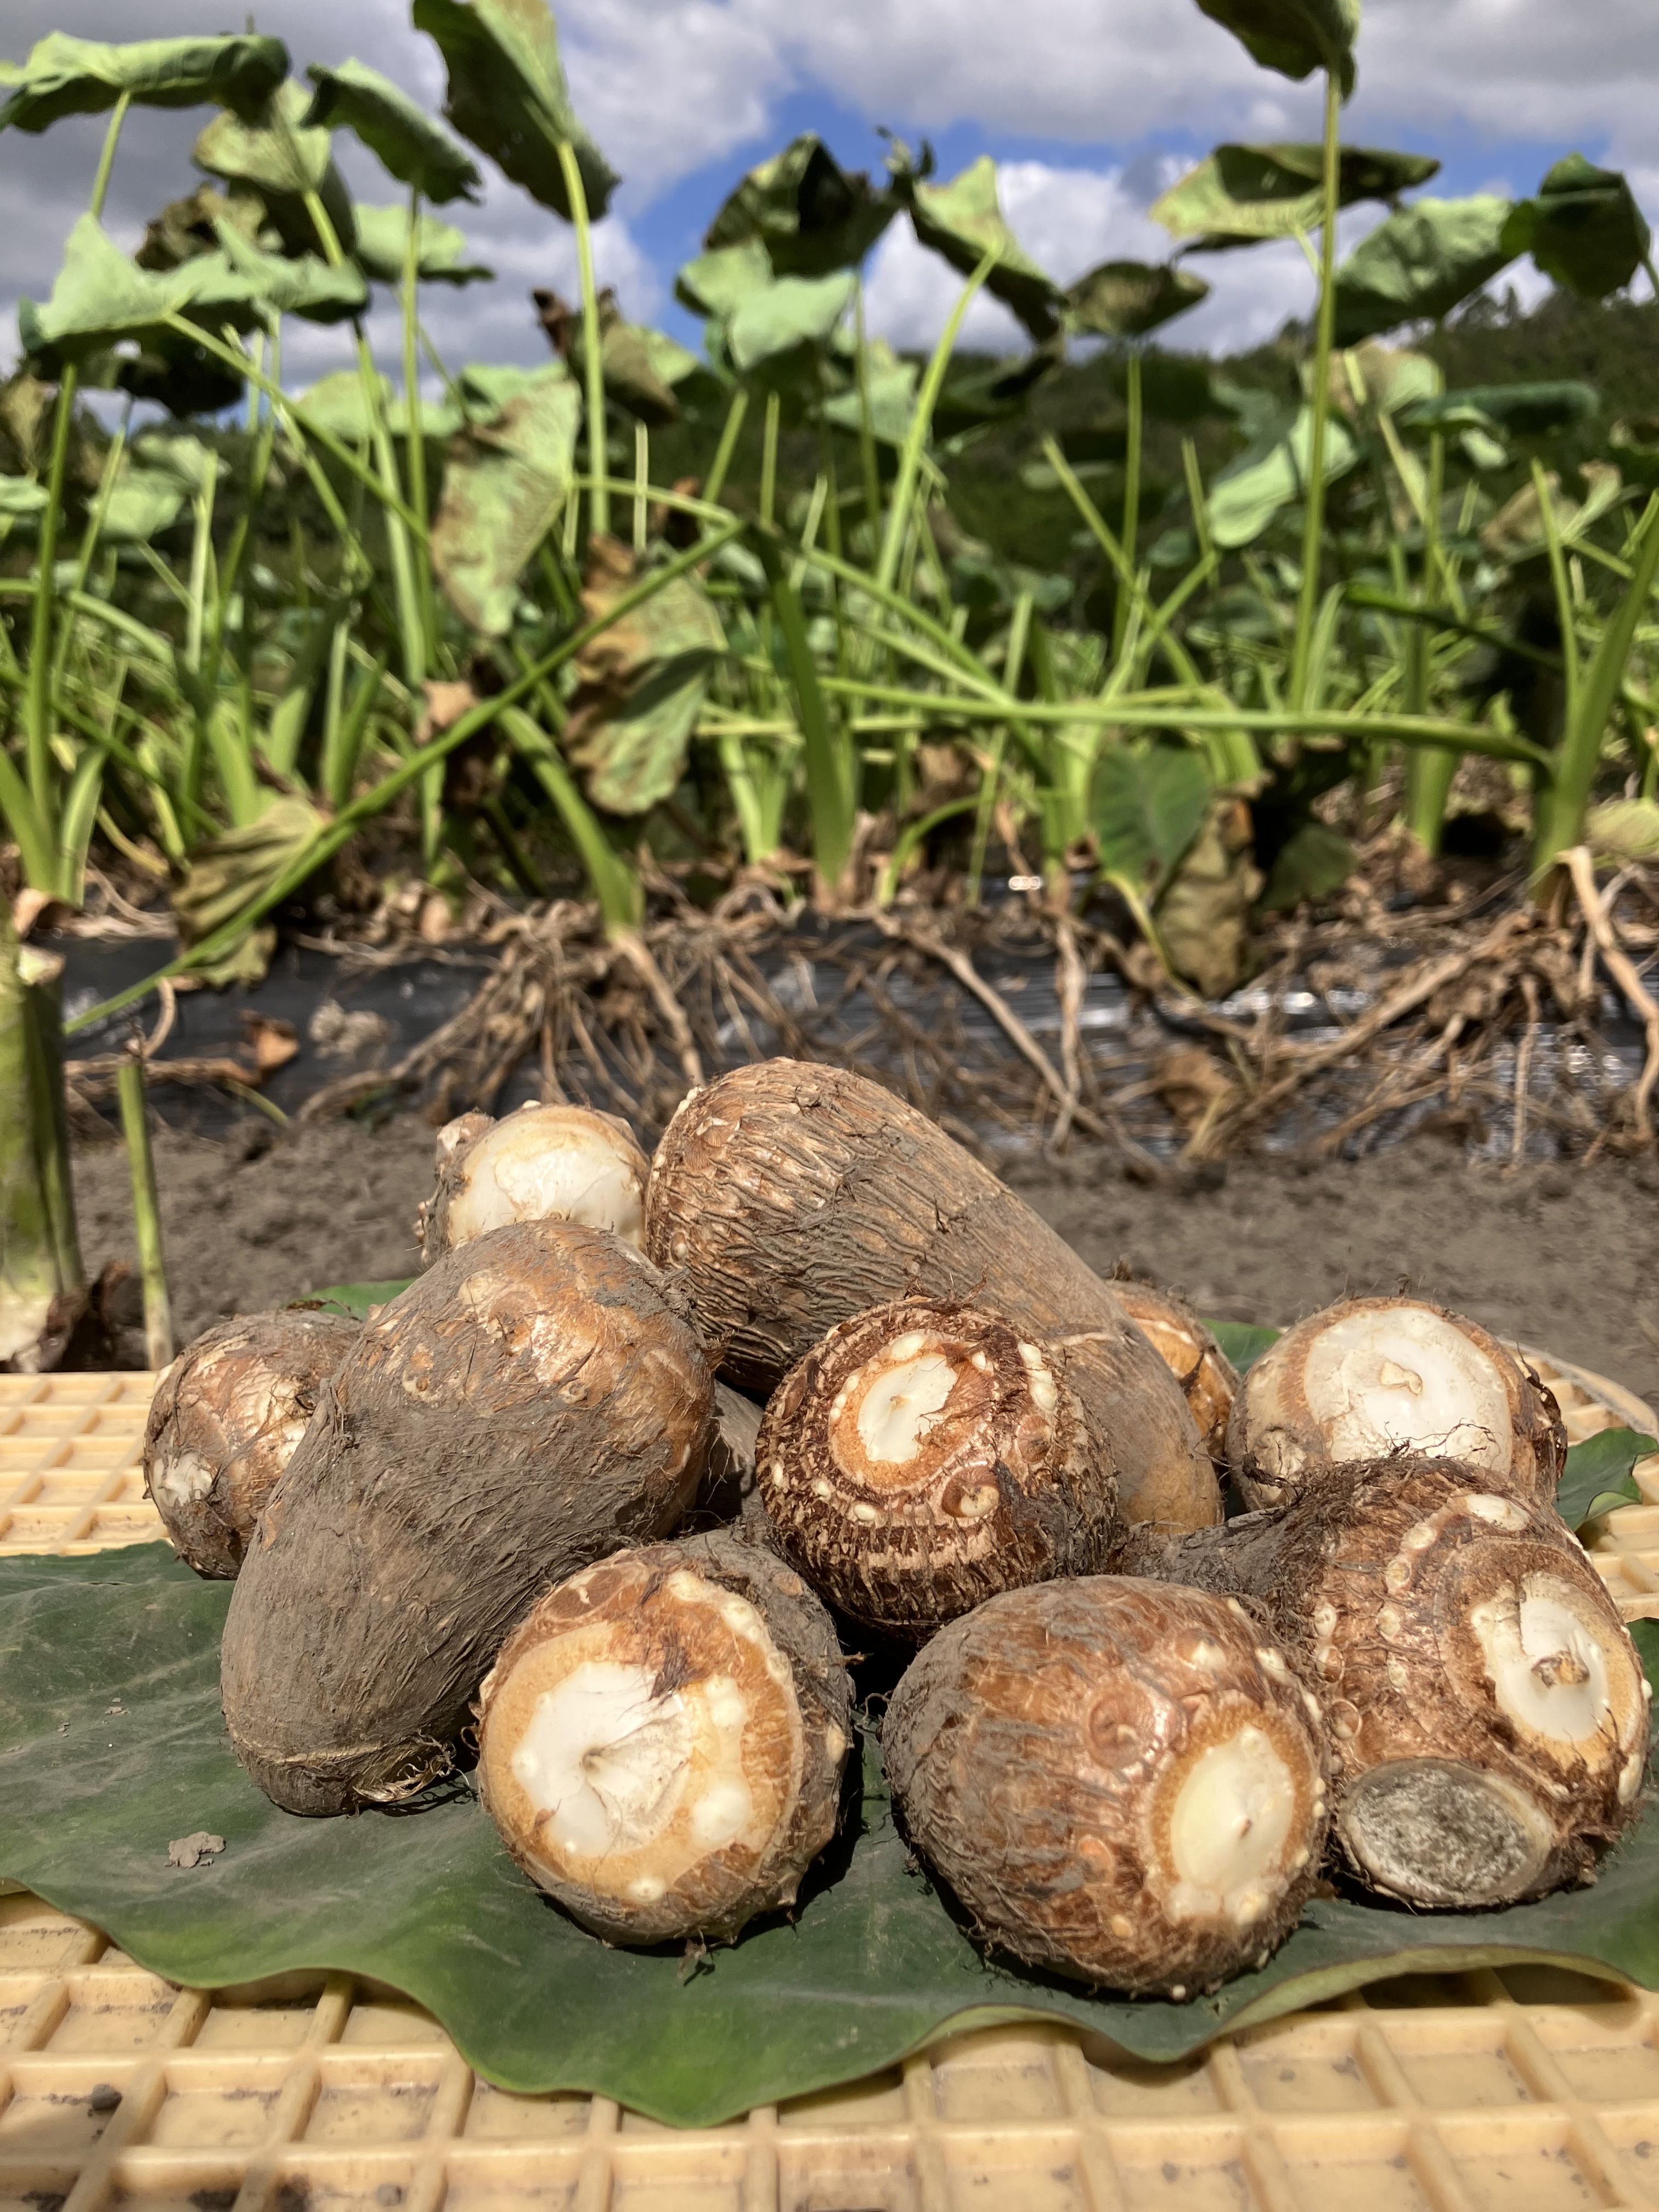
{"points": [[1091, 105]]}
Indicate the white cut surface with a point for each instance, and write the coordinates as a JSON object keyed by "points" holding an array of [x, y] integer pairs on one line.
{"points": [[180, 1478], [604, 1760], [550, 1164], [1550, 1661], [900, 1402], [1376, 1381], [1229, 1830]]}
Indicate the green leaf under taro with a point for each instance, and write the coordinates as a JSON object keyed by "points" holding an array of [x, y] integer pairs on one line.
{"points": [[1597, 1468], [810, 214], [508, 98], [383, 246], [1265, 478], [282, 157], [1583, 228], [1126, 299], [356, 1298], [642, 683], [1419, 262], [869, 1967], [505, 484], [962, 221], [1243, 1342], [1295, 37], [396, 128], [1239, 194], [64, 76], [1148, 805]]}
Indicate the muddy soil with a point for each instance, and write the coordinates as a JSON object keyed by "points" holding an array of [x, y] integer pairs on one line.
{"points": [[1564, 1257]]}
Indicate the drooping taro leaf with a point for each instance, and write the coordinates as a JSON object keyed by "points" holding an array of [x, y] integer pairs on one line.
{"points": [[1624, 829], [988, 392], [176, 372], [778, 328], [282, 157], [1583, 228], [396, 128], [225, 874], [1247, 494], [962, 221], [1371, 379], [890, 392], [79, 77], [717, 284], [1238, 194], [26, 407], [1314, 861], [508, 96], [441, 250], [1516, 532], [1126, 299], [810, 215], [642, 366], [100, 296], [641, 683], [1598, 1475], [505, 484], [1419, 262], [1148, 805], [870, 1967], [1295, 37], [178, 454], [1525, 410], [21, 499], [187, 228]]}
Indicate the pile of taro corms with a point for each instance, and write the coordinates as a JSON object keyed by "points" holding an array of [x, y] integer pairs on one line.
{"points": [[901, 1416]]}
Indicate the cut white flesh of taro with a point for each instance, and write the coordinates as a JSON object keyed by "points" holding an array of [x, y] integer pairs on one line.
{"points": [[645, 1750], [548, 1163]]}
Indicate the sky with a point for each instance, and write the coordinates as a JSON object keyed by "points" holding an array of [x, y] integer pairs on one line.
{"points": [[1090, 107]]}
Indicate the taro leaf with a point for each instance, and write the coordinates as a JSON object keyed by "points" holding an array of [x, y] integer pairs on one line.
{"points": [[383, 245], [142, 503], [1597, 1475], [509, 97], [1371, 378], [227, 873], [1635, 445], [1126, 299], [1516, 532], [1295, 37], [1312, 863], [21, 499], [890, 390], [505, 484], [718, 283], [1583, 228], [781, 327], [1246, 495], [282, 157], [1149, 804], [1243, 1342], [356, 1299], [870, 1967], [642, 682], [978, 395], [808, 213], [640, 366], [303, 286], [187, 228], [1624, 829], [78, 76], [1239, 194], [178, 375], [396, 128], [1419, 262], [962, 221], [1204, 916], [1527, 411]]}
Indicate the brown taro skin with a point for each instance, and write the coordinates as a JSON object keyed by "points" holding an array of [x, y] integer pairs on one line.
{"points": [[1207, 1376], [226, 1418], [532, 1403], [790, 1197], [1369, 1376], [700, 1619], [1055, 1756], [1488, 1712], [1007, 1483]]}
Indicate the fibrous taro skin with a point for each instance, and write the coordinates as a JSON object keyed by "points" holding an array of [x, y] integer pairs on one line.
{"points": [[1207, 1376], [923, 1457], [662, 1739], [1121, 1781], [532, 1403], [1373, 1376], [540, 1163], [226, 1419], [1488, 1711], [792, 1197]]}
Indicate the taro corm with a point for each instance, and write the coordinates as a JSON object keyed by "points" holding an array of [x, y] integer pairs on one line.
{"points": [[540, 1163]]}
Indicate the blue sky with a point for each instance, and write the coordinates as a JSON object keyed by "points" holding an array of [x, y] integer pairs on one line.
{"points": [[1089, 105]]}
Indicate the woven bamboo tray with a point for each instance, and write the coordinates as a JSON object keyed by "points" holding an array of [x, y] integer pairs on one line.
{"points": [[1525, 2091]]}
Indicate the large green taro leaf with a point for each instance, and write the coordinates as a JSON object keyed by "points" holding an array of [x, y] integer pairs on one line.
{"points": [[112, 1746]]}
